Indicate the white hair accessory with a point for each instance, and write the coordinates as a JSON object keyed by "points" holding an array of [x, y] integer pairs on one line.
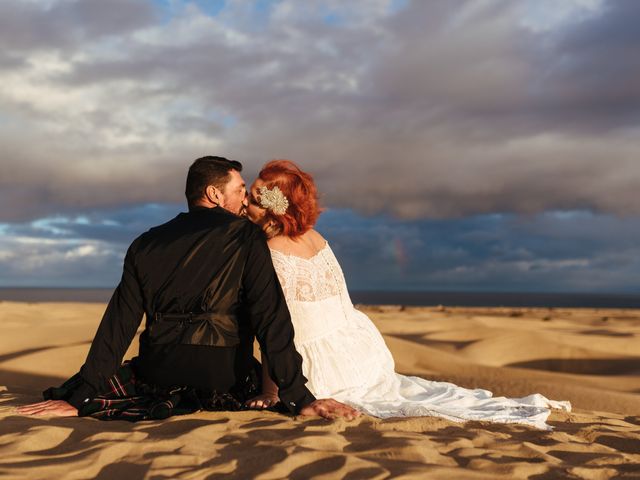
{"points": [[273, 200]]}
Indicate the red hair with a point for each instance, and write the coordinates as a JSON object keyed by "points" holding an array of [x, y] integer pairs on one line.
{"points": [[300, 190]]}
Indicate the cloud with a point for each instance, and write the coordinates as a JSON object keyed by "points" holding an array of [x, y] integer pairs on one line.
{"points": [[65, 25], [76, 251], [426, 109], [27, 261], [550, 252]]}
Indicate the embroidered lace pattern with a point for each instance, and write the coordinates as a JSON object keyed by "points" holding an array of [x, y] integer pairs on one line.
{"points": [[309, 280]]}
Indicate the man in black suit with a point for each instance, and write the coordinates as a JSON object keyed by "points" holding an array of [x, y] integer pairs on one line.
{"points": [[206, 284]]}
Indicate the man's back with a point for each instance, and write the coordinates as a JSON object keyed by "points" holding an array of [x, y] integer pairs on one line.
{"points": [[193, 264]]}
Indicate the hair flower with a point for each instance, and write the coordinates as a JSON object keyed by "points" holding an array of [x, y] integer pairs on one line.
{"points": [[273, 200]]}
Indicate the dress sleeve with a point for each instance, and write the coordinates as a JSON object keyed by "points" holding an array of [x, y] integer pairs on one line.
{"points": [[271, 322], [117, 329]]}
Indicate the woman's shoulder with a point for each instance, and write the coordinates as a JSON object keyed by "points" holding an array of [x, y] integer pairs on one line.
{"points": [[277, 243], [303, 245], [316, 239]]}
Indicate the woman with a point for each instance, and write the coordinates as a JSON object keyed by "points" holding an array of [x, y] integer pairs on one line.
{"points": [[344, 355]]}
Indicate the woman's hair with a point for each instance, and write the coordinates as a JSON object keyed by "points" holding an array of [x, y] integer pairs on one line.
{"points": [[301, 192]]}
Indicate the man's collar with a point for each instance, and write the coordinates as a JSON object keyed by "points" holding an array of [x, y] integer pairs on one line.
{"points": [[201, 208], [218, 209]]}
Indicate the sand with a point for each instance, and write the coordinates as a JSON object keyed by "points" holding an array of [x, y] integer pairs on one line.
{"points": [[589, 357]]}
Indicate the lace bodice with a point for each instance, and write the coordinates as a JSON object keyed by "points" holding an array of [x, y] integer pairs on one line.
{"points": [[309, 279]]}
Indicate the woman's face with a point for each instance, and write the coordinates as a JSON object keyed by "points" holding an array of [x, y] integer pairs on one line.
{"points": [[255, 211]]}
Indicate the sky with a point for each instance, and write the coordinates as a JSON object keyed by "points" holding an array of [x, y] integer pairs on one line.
{"points": [[482, 145]]}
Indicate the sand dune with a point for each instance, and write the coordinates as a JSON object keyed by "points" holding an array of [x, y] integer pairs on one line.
{"points": [[589, 357]]}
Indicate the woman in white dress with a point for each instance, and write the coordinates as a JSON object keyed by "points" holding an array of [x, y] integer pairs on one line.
{"points": [[344, 355]]}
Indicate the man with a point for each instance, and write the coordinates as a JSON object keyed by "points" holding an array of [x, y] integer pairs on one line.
{"points": [[206, 284]]}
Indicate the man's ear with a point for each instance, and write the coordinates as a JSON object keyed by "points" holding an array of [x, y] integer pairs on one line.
{"points": [[212, 194]]}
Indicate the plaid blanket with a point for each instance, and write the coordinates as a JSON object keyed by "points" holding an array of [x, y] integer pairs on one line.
{"points": [[128, 398]]}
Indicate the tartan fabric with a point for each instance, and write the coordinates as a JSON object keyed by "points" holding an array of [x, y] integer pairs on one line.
{"points": [[128, 398]]}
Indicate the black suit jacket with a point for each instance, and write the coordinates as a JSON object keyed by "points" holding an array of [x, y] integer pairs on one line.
{"points": [[206, 283]]}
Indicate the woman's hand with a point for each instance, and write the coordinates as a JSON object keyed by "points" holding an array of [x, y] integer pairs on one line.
{"points": [[330, 409], [262, 401]]}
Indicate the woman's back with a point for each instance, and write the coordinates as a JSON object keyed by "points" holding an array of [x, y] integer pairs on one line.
{"points": [[333, 338], [307, 269]]}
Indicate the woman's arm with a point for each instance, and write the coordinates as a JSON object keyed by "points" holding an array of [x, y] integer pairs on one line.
{"points": [[269, 396]]}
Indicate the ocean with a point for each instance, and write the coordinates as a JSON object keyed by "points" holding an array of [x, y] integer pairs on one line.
{"points": [[451, 299]]}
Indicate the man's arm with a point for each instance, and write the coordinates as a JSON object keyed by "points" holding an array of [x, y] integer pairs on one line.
{"points": [[117, 329]]}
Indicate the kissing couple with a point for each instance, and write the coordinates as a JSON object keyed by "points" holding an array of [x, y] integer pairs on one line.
{"points": [[241, 265]]}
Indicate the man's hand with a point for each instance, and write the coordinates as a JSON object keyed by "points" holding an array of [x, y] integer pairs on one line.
{"points": [[330, 409], [262, 401], [56, 408]]}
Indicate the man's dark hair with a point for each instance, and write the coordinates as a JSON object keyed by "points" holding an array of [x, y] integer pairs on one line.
{"points": [[207, 171]]}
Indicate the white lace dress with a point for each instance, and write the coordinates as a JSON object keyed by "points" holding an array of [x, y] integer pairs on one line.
{"points": [[345, 357]]}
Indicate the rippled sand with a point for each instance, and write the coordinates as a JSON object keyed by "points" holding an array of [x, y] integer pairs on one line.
{"points": [[589, 357]]}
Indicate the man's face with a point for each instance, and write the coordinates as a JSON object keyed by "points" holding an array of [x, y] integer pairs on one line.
{"points": [[255, 211], [233, 196]]}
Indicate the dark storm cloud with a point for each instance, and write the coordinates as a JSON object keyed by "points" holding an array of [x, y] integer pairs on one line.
{"points": [[578, 252], [591, 76], [437, 109], [26, 26]]}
